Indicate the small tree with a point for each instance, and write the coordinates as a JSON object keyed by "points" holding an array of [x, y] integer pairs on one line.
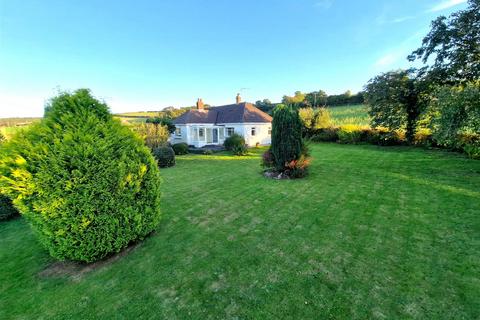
{"points": [[394, 101], [87, 184], [313, 119], [287, 143]]}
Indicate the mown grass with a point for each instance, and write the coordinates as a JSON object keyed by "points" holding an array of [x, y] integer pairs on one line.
{"points": [[349, 115], [372, 233]]}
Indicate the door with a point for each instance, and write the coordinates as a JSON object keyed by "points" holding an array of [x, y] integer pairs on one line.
{"points": [[215, 135]]}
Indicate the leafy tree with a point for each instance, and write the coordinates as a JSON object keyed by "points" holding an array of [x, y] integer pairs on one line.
{"points": [[454, 44], [163, 121], [87, 184], [287, 143], [296, 100], [316, 98], [457, 111], [265, 105], [313, 119], [394, 101]]}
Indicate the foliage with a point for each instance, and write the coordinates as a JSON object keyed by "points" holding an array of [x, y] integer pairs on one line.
{"points": [[296, 169], [320, 98], [265, 105], [2, 138], [153, 135], [240, 150], [325, 135], [287, 143], [457, 111], [165, 156], [454, 45], [456, 120], [313, 119], [180, 148], [208, 152], [87, 184], [7, 210], [267, 159], [316, 98], [394, 102], [165, 122], [234, 143], [296, 100]]}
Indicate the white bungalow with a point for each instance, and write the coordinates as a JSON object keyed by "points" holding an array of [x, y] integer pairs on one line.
{"points": [[199, 127]]}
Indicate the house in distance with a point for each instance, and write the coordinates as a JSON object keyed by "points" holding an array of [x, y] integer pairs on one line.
{"points": [[211, 126]]}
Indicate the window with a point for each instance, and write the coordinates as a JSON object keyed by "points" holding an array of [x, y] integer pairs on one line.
{"points": [[270, 131], [201, 134], [230, 131], [253, 131], [178, 132]]}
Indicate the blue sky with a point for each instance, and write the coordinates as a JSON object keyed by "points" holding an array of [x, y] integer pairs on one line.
{"points": [[147, 55]]}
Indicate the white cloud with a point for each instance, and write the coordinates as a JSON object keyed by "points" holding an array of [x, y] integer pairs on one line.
{"points": [[402, 19], [324, 4], [387, 60], [446, 5]]}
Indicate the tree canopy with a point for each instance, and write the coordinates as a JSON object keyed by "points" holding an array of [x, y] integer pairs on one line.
{"points": [[454, 45]]}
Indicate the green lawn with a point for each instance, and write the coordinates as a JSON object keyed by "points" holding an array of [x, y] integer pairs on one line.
{"points": [[381, 233], [349, 115]]}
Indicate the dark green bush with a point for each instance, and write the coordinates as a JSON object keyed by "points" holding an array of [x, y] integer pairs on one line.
{"points": [[325, 135], [287, 143], [7, 210], [180, 148], [165, 156], [240, 150], [208, 152], [235, 141], [87, 185]]}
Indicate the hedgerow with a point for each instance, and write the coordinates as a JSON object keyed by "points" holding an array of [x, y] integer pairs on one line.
{"points": [[87, 184]]}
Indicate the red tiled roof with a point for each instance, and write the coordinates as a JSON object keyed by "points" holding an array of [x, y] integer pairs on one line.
{"points": [[233, 113]]}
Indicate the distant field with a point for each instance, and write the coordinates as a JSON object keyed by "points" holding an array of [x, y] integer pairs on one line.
{"points": [[145, 114], [350, 115], [8, 126]]}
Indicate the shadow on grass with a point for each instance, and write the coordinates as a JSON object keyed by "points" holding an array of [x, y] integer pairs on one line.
{"points": [[436, 185], [76, 270]]}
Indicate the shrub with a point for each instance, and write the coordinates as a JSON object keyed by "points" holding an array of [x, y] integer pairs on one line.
{"points": [[165, 156], [180, 148], [287, 142], [208, 152], [325, 135], [240, 150], [154, 135], [457, 111], [267, 159], [87, 184], [348, 136], [234, 141], [7, 210], [297, 168]]}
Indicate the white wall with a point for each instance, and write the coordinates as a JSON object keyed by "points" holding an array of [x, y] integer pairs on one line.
{"points": [[261, 133]]}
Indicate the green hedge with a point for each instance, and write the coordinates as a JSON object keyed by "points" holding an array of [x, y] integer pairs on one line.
{"points": [[165, 156], [87, 184], [180, 148]]}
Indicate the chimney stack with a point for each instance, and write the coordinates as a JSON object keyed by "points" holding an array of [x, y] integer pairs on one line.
{"points": [[199, 104], [239, 99]]}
